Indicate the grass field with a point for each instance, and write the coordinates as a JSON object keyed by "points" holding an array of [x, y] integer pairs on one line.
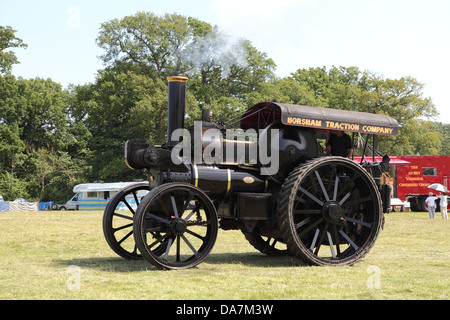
{"points": [[63, 255]]}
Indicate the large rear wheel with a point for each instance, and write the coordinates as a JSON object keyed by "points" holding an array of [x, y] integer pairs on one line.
{"points": [[330, 211]]}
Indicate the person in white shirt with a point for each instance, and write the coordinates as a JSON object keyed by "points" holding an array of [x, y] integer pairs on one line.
{"points": [[431, 202], [443, 204]]}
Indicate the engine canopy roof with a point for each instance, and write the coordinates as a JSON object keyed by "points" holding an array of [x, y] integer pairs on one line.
{"points": [[265, 113]]}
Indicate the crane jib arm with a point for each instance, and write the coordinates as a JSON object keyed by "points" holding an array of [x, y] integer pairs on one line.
{"points": [[321, 118]]}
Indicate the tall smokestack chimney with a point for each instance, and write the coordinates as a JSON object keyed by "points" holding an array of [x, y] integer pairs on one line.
{"points": [[177, 106]]}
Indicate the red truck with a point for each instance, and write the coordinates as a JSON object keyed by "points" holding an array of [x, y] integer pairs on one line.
{"points": [[411, 180], [410, 177]]}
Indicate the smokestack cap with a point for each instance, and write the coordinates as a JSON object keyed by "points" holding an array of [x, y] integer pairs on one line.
{"points": [[177, 79]]}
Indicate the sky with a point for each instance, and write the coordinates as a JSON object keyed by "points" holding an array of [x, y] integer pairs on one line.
{"points": [[391, 38]]}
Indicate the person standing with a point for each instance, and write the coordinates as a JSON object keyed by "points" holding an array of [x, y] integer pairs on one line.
{"points": [[431, 202], [443, 204]]}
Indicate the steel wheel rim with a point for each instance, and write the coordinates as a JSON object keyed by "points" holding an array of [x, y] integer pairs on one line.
{"points": [[334, 223], [118, 221], [186, 223]]}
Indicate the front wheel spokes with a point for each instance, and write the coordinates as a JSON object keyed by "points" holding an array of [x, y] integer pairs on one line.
{"points": [[128, 205], [157, 218], [120, 238], [180, 240], [184, 237], [124, 237], [185, 221], [174, 206], [195, 234], [118, 220], [169, 245], [189, 244]]}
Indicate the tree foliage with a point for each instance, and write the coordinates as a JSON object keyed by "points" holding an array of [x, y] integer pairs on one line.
{"points": [[35, 135], [8, 40], [54, 138]]}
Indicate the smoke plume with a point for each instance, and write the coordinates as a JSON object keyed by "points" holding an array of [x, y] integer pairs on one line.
{"points": [[214, 50]]}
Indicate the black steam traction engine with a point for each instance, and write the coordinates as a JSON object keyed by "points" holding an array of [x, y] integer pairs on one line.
{"points": [[325, 210]]}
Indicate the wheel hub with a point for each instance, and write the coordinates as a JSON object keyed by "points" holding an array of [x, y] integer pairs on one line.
{"points": [[333, 213], [178, 226]]}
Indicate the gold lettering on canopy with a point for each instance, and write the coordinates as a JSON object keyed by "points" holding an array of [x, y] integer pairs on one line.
{"points": [[337, 125]]}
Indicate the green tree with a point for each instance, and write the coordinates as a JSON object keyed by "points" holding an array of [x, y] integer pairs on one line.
{"points": [[159, 46], [234, 70], [11, 187], [32, 114], [10, 121], [55, 174], [35, 135], [8, 39], [10, 110], [119, 106], [149, 41], [43, 120], [444, 130]]}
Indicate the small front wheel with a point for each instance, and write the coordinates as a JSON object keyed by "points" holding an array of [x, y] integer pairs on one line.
{"points": [[180, 216]]}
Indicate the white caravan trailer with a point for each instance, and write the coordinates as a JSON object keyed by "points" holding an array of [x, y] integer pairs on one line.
{"points": [[95, 196]]}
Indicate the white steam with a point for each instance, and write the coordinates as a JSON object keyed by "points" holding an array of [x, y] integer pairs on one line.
{"points": [[214, 50]]}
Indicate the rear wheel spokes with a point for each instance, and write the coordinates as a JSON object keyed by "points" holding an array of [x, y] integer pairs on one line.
{"points": [[362, 223], [321, 238], [334, 211], [327, 241]]}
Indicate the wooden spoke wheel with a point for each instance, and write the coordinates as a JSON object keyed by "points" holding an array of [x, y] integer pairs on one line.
{"points": [[330, 211], [185, 222], [118, 220]]}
